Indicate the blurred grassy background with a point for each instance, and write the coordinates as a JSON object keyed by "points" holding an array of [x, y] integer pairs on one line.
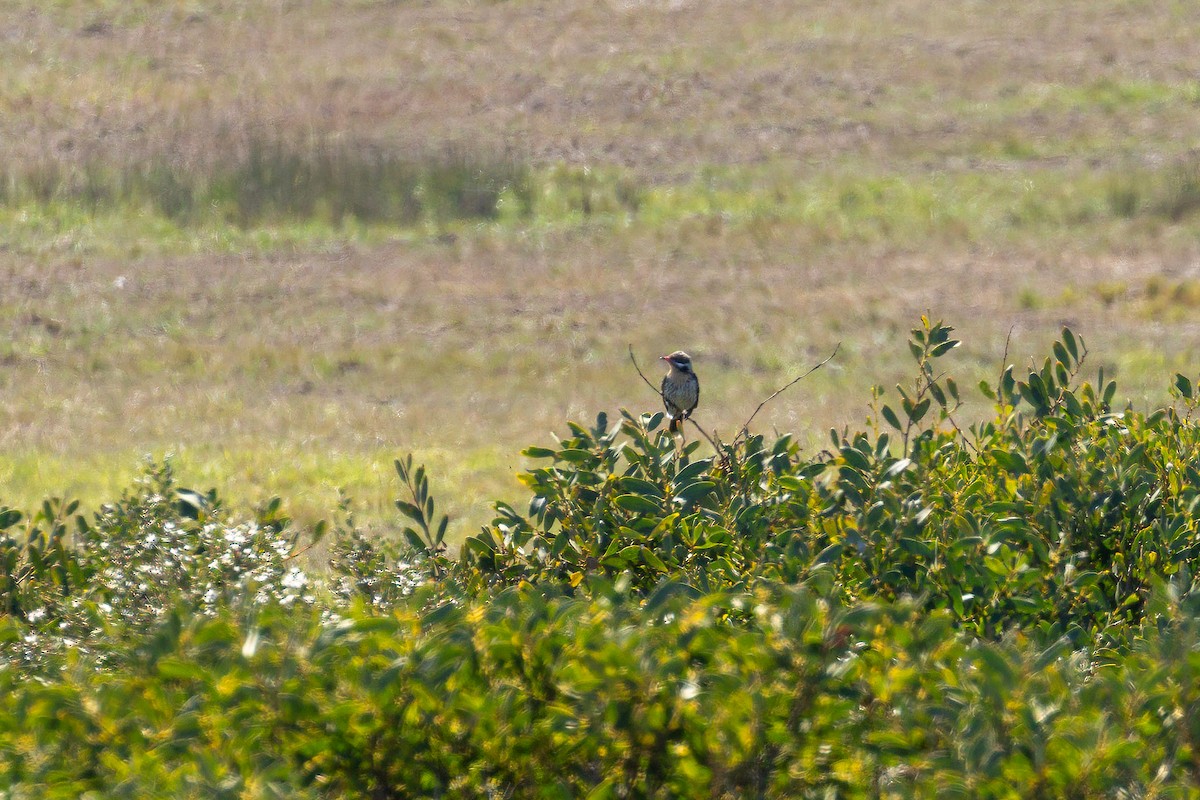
{"points": [[290, 241]]}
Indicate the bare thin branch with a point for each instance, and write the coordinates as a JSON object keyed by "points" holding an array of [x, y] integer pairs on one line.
{"points": [[705, 434], [639, 372], [1004, 357], [746, 426], [961, 434]]}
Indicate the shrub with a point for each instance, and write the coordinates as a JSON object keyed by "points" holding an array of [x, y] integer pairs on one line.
{"points": [[1058, 515], [1008, 610], [160, 549]]}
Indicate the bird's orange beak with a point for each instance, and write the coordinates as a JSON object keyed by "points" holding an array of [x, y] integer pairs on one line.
{"points": [[664, 358]]}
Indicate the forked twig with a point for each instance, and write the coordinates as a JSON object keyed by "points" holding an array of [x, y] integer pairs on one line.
{"points": [[746, 426]]}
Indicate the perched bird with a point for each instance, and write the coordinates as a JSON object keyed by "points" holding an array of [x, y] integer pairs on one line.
{"points": [[680, 388]]}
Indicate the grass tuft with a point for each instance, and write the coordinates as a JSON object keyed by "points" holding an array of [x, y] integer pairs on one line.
{"points": [[276, 180], [1180, 198]]}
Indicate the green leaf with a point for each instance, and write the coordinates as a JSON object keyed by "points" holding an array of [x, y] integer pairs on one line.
{"points": [[890, 416], [856, 458], [936, 393], [640, 486], [917, 548], [939, 333], [1069, 340], [829, 554], [414, 539], [1060, 353], [692, 471], [637, 504], [1011, 461], [1041, 447], [411, 511], [476, 544], [667, 590], [996, 664], [1034, 393], [538, 452], [694, 492], [651, 559], [1181, 383], [917, 413], [173, 668], [605, 790], [1061, 374], [944, 347]]}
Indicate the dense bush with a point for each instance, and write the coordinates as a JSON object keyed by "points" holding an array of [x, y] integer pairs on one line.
{"points": [[1058, 515], [924, 609], [778, 693]]}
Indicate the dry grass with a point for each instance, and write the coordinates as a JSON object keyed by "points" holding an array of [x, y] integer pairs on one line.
{"points": [[805, 175], [658, 87]]}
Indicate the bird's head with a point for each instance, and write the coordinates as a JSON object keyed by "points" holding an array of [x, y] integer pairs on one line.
{"points": [[679, 360]]}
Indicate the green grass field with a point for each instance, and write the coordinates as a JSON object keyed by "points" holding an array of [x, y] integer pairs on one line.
{"points": [[288, 242]]}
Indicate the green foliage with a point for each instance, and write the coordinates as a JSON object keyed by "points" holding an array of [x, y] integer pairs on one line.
{"points": [[1004, 610], [1058, 515], [420, 510], [528, 694]]}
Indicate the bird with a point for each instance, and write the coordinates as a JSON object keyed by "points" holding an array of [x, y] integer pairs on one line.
{"points": [[680, 389]]}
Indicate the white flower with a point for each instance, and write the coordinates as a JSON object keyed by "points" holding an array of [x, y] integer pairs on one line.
{"points": [[294, 579]]}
